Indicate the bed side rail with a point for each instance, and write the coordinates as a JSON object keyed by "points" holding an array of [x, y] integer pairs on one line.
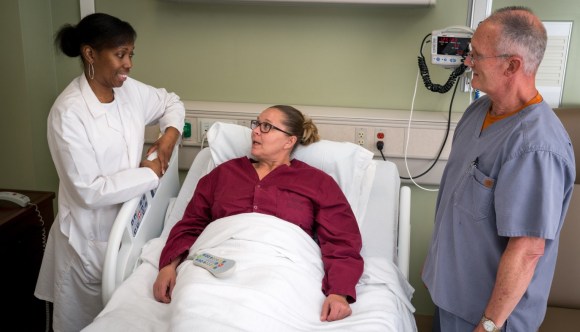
{"points": [[404, 237], [139, 220]]}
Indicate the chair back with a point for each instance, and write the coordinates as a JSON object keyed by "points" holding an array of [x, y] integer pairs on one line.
{"points": [[565, 292]]}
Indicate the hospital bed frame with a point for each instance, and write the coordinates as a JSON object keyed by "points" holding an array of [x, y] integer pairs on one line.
{"points": [[142, 219]]}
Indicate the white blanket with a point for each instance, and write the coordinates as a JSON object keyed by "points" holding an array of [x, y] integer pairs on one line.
{"points": [[276, 286]]}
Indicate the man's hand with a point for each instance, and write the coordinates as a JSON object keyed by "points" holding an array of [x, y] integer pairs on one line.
{"points": [[335, 307], [515, 272]]}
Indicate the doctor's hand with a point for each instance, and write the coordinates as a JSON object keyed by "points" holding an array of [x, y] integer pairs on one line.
{"points": [[154, 164], [164, 147], [163, 286], [335, 307]]}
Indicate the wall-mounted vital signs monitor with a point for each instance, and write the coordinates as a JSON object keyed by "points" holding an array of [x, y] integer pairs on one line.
{"points": [[450, 45]]}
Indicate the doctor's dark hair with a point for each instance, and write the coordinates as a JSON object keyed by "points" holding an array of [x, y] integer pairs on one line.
{"points": [[100, 31], [298, 125]]}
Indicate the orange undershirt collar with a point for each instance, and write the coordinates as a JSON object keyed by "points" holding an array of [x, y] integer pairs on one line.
{"points": [[491, 119]]}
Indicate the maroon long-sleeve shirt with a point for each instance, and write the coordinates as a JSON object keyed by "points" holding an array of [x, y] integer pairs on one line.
{"points": [[299, 193]]}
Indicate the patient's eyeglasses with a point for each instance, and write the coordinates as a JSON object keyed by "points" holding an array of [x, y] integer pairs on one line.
{"points": [[265, 127]]}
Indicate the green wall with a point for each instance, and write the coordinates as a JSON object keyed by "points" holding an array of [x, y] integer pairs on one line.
{"points": [[353, 56], [27, 89], [329, 55]]}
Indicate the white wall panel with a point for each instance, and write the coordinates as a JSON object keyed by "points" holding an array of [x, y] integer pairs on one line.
{"points": [[341, 124]]}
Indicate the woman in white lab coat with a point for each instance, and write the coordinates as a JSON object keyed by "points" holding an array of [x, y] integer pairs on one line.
{"points": [[96, 135]]}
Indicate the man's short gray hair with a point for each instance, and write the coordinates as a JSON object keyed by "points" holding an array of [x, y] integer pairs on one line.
{"points": [[522, 34]]}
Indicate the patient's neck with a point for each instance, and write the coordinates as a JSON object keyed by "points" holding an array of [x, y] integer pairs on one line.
{"points": [[263, 168]]}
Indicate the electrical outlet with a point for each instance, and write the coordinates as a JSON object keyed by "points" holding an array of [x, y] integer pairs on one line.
{"points": [[380, 136], [205, 124], [360, 136]]}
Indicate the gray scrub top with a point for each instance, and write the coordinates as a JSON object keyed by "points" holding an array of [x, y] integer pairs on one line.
{"points": [[513, 179]]}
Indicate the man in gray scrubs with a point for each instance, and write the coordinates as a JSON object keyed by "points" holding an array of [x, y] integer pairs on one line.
{"points": [[505, 189]]}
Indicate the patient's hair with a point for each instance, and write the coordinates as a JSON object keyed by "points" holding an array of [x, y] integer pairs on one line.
{"points": [[299, 125], [98, 30]]}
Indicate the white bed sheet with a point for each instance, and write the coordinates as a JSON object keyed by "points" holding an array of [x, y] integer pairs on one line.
{"points": [[257, 297]]}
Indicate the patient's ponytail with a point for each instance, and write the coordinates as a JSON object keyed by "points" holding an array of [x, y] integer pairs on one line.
{"points": [[299, 125], [310, 134]]}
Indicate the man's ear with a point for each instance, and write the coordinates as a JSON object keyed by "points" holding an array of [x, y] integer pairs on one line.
{"points": [[514, 65]]}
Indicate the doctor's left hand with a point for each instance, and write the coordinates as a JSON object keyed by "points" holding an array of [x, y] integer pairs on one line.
{"points": [[164, 147]]}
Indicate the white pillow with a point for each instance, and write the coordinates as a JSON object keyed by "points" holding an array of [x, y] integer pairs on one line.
{"points": [[229, 141], [346, 162]]}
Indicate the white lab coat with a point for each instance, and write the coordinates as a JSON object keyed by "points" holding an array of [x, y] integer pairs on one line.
{"points": [[97, 159]]}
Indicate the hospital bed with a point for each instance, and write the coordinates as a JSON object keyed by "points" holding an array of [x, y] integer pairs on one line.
{"points": [[202, 302]]}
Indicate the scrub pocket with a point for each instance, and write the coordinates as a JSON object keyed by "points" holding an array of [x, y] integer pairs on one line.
{"points": [[474, 195]]}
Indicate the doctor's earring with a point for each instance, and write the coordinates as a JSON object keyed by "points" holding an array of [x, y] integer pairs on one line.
{"points": [[91, 71]]}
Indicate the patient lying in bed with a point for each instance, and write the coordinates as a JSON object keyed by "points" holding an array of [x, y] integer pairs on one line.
{"points": [[272, 184]]}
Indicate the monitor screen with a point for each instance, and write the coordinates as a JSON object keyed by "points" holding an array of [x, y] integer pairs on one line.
{"points": [[453, 45]]}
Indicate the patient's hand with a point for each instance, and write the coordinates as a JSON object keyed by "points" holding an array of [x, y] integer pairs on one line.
{"points": [[335, 307], [163, 286]]}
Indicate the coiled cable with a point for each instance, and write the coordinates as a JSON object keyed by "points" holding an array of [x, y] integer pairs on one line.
{"points": [[424, 72], [452, 81], [47, 317]]}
